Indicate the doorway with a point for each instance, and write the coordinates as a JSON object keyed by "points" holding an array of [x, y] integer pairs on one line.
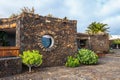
{"points": [[82, 43]]}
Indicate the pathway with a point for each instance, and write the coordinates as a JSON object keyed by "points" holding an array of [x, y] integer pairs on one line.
{"points": [[107, 69]]}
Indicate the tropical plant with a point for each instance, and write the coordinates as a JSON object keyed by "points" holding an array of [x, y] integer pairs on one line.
{"points": [[97, 28], [117, 41], [86, 56], [23, 10], [49, 15], [72, 62], [27, 10], [13, 15], [31, 58]]}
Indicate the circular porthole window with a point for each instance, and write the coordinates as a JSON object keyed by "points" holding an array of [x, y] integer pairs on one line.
{"points": [[47, 41]]}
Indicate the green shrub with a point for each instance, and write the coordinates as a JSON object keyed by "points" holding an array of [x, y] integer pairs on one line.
{"points": [[31, 58], [86, 56], [72, 62], [117, 41]]}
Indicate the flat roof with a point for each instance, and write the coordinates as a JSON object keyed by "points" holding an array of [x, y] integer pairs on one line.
{"points": [[112, 37]]}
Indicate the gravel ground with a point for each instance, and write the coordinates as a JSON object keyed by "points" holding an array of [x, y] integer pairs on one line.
{"points": [[107, 69]]}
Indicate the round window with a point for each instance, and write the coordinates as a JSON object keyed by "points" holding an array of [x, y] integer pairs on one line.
{"points": [[47, 41]]}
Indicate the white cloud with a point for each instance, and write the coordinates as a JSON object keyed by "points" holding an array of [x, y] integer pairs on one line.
{"points": [[81, 8], [7, 7], [75, 7], [109, 8], [84, 11], [113, 23]]}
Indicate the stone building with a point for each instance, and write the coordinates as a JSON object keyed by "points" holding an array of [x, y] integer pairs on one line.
{"points": [[55, 38], [98, 43]]}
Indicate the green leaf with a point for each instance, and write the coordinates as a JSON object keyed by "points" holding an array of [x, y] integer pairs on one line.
{"points": [[86, 56], [31, 58], [72, 62]]}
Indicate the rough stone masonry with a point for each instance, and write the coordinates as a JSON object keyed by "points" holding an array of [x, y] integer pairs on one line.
{"points": [[31, 28], [10, 66]]}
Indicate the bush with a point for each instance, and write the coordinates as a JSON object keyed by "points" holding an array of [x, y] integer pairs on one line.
{"points": [[117, 41], [86, 56], [72, 62], [31, 58]]}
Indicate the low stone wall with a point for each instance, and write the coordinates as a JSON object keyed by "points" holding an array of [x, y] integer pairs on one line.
{"points": [[98, 43], [10, 66]]}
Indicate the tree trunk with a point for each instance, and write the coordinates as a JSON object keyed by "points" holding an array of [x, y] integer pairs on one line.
{"points": [[30, 68], [117, 46]]}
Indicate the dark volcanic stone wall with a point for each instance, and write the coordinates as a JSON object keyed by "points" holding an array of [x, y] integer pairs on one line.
{"points": [[33, 27], [100, 43], [10, 66]]}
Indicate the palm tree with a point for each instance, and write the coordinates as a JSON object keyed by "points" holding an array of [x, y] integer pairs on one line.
{"points": [[97, 28]]}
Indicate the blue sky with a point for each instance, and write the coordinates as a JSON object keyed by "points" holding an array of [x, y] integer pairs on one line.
{"points": [[84, 11]]}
